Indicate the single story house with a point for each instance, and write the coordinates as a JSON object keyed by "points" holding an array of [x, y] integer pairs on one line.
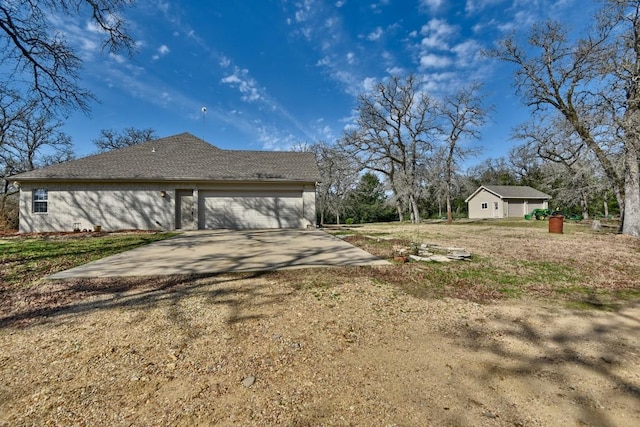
{"points": [[502, 201], [178, 182]]}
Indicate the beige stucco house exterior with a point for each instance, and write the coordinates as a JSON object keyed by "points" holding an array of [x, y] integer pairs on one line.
{"points": [[503, 201], [178, 182]]}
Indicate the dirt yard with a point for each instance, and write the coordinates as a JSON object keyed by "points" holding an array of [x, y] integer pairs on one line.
{"points": [[328, 347]]}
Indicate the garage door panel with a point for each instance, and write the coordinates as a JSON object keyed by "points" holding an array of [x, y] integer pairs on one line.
{"points": [[252, 210]]}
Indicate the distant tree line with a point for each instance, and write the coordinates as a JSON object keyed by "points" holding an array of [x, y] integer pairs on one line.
{"points": [[582, 144], [403, 156]]}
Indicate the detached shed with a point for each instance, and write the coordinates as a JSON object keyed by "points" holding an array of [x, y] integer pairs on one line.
{"points": [[503, 201]]}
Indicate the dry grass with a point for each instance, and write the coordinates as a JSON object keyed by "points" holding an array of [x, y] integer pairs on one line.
{"points": [[341, 346], [523, 261]]}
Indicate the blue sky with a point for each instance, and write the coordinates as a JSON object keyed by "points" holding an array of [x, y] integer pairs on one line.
{"points": [[274, 73]]}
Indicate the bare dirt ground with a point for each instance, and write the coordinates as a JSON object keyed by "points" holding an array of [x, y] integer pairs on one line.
{"points": [[327, 347]]}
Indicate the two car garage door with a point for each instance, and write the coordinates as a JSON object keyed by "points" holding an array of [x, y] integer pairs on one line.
{"points": [[248, 210]]}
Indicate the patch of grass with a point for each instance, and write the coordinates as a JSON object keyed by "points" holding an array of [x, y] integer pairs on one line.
{"points": [[340, 232], [481, 279], [549, 272], [23, 261], [569, 227], [587, 305]]}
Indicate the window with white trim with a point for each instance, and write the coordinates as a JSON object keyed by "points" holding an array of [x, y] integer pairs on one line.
{"points": [[484, 205], [40, 200]]}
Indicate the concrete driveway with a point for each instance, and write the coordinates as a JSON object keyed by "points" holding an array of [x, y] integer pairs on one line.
{"points": [[223, 251]]}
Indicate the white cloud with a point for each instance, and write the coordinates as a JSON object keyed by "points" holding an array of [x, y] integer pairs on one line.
{"points": [[304, 10], [160, 52], [468, 52], [86, 37], [377, 7], [224, 61], [432, 5], [369, 83], [375, 35], [165, 98], [434, 61], [436, 33], [163, 6], [340, 3], [246, 85], [351, 58], [476, 6], [396, 71], [117, 58], [322, 27], [274, 139], [439, 82], [324, 62]]}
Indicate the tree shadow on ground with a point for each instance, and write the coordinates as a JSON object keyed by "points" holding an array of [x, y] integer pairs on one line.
{"points": [[564, 350], [51, 300]]}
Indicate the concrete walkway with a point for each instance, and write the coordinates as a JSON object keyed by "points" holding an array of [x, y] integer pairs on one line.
{"points": [[223, 251]]}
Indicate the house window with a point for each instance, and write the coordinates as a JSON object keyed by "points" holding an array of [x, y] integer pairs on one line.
{"points": [[495, 205], [40, 200], [485, 205]]}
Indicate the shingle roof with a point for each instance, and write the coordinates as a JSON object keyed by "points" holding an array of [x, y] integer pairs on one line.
{"points": [[515, 192], [183, 157]]}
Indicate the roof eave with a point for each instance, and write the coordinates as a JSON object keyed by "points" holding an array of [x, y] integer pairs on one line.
{"points": [[161, 179]]}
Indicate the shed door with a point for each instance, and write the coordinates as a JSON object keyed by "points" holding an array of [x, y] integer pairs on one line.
{"points": [[249, 210]]}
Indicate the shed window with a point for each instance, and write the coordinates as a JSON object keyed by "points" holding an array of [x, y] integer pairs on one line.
{"points": [[40, 200], [485, 205]]}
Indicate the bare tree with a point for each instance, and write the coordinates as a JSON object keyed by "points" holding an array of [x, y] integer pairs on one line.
{"points": [[592, 83], [111, 139], [29, 138], [394, 133], [37, 55], [555, 141], [339, 176], [462, 114], [623, 64]]}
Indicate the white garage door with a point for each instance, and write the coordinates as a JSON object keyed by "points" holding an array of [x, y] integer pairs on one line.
{"points": [[242, 210]]}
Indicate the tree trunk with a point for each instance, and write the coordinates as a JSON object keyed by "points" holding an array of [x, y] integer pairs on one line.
{"points": [[399, 210], [449, 213], [584, 202], [631, 216], [606, 208], [414, 210]]}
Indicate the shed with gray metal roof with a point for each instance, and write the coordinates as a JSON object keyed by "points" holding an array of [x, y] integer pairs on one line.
{"points": [[502, 201]]}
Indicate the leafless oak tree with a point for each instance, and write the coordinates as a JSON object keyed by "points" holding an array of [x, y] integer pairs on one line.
{"points": [[111, 139], [338, 178], [461, 114], [395, 131], [593, 83], [37, 55], [29, 138]]}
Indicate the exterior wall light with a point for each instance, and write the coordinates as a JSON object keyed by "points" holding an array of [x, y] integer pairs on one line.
{"points": [[163, 193]]}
